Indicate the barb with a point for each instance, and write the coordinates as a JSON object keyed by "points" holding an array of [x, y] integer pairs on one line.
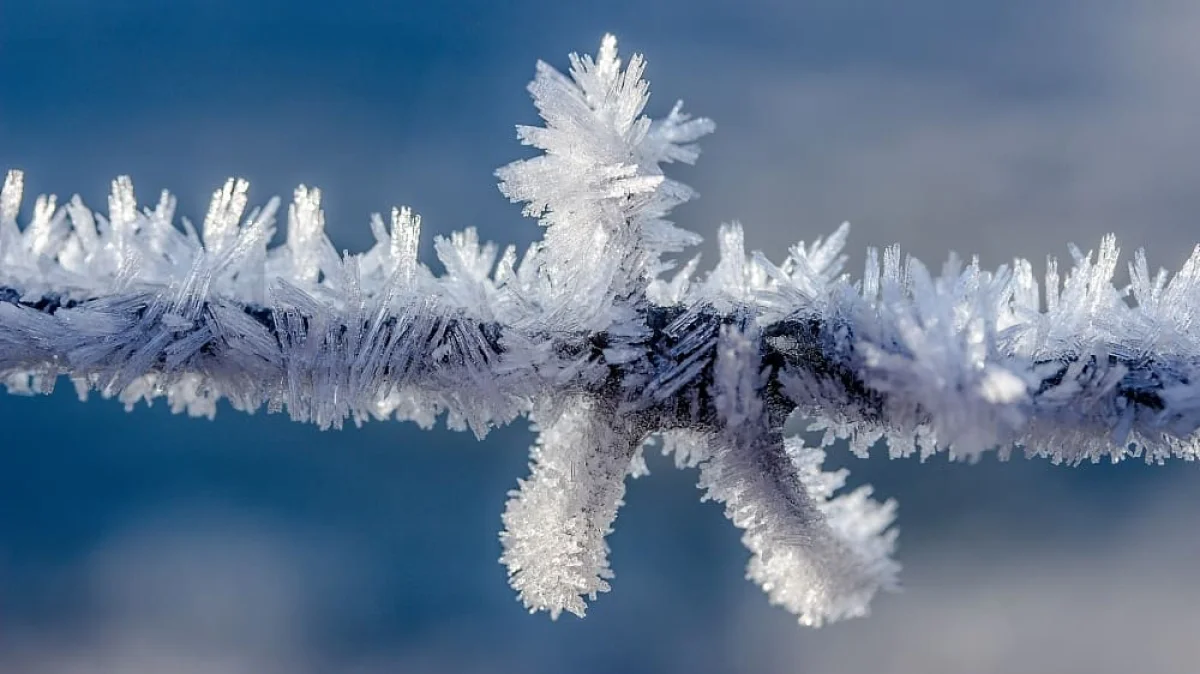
{"points": [[586, 337]]}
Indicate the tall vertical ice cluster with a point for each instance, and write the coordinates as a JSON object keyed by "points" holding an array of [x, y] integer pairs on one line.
{"points": [[590, 337], [599, 188]]}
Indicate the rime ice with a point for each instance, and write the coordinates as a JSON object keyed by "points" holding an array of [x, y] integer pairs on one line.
{"points": [[588, 335]]}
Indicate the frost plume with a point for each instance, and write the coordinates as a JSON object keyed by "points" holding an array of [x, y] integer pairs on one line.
{"points": [[599, 188], [555, 523]]}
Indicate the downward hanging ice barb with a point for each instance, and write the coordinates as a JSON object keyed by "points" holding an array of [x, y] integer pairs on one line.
{"points": [[587, 338]]}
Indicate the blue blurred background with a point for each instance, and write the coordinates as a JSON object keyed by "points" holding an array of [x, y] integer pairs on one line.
{"points": [[146, 542]]}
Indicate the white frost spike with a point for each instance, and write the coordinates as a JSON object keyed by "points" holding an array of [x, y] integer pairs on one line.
{"points": [[306, 235], [406, 236], [24, 251], [394, 256], [10, 206], [586, 337], [555, 523], [122, 210], [224, 214], [10, 197], [812, 269], [45, 228]]}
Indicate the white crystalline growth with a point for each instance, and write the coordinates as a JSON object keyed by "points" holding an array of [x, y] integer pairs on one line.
{"points": [[555, 523], [820, 556], [585, 336], [598, 187]]}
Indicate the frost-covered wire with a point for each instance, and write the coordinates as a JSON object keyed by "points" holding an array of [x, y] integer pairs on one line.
{"points": [[588, 336]]}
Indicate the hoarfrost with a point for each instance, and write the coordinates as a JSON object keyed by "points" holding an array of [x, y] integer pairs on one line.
{"points": [[587, 335]]}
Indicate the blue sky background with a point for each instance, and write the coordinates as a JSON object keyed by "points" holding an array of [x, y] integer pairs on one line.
{"points": [[146, 542]]}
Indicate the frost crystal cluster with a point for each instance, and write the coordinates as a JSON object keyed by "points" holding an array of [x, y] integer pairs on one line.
{"points": [[588, 335]]}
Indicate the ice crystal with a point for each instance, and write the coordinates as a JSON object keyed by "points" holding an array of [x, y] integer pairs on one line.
{"points": [[587, 336]]}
